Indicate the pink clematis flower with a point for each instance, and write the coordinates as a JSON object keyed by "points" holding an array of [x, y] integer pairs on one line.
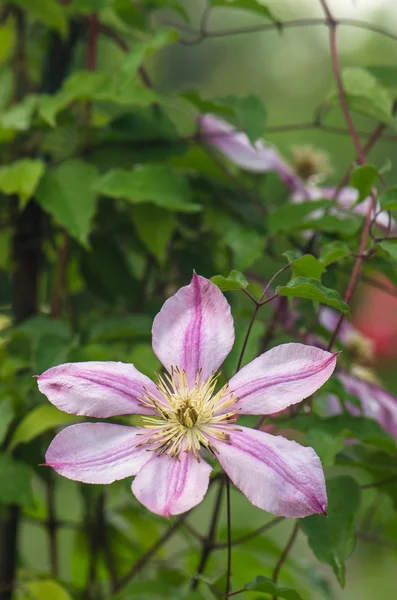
{"points": [[256, 158], [346, 198], [184, 415], [376, 402]]}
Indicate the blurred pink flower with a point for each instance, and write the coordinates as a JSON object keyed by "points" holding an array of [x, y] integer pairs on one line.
{"points": [[183, 414], [256, 158], [346, 198]]}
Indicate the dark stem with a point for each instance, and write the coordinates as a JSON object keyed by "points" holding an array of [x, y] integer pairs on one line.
{"points": [[148, 554], [285, 553], [229, 538], [208, 543], [251, 535], [52, 525]]}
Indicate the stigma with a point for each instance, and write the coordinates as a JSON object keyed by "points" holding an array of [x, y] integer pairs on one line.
{"points": [[189, 417]]}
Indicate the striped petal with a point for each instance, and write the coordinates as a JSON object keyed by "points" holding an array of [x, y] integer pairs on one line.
{"points": [[280, 377], [194, 329], [276, 474], [169, 485], [97, 389], [97, 452]]}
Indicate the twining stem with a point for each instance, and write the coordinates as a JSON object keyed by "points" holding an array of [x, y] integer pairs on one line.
{"points": [[229, 538], [285, 553], [148, 554], [208, 543]]}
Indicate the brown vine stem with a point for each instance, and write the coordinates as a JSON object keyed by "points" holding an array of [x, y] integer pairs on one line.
{"points": [[276, 26], [229, 539], [284, 554], [332, 24]]}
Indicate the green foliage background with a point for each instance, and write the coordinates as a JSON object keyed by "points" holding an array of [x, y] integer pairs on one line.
{"points": [[108, 201]]}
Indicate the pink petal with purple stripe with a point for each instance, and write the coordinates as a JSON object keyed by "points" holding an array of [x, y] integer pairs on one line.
{"points": [[169, 485], [276, 474], [98, 452], [97, 389], [256, 158], [280, 377], [194, 329]]}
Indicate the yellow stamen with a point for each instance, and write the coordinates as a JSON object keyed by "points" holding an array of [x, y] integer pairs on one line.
{"points": [[188, 416]]}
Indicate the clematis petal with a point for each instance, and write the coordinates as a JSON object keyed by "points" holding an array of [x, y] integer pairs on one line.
{"points": [[256, 158], [280, 377], [276, 474], [97, 452], [168, 485], [376, 402], [97, 389], [194, 329]]}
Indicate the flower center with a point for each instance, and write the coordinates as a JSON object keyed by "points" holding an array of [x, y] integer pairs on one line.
{"points": [[188, 416]]}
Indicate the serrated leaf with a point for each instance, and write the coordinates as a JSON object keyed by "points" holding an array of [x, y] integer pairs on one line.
{"points": [[290, 217], [48, 12], [302, 287], [21, 178], [151, 183], [332, 538], [155, 227], [364, 178], [18, 117], [250, 5], [6, 417], [347, 226], [333, 252], [388, 199], [38, 421], [67, 193], [15, 479], [365, 94], [234, 281], [267, 586], [307, 266]]}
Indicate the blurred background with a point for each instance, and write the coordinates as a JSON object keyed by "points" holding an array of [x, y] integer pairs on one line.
{"points": [[290, 71]]}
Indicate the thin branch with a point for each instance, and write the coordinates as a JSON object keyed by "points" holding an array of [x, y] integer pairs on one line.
{"points": [[208, 543], [251, 535], [229, 538], [148, 554], [380, 483], [285, 553]]}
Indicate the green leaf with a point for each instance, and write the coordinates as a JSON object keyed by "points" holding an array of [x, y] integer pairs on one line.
{"points": [[391, 248], [388, 199], [347, 226], [365, 94], [150, 183], [48, 12], [386, 75], [15, 479], [7, 39], [67, 193], [333, 252], [6, 417], [307, 266], [38, 421], [290, 217], [48, 351], [302, 287], [155, 226], [121, 328], [332, 538], [250, 114], [267, 586], [21, 178], [234, 281], [326, 445], [363, 179], [43, 589], [250, 5]]}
